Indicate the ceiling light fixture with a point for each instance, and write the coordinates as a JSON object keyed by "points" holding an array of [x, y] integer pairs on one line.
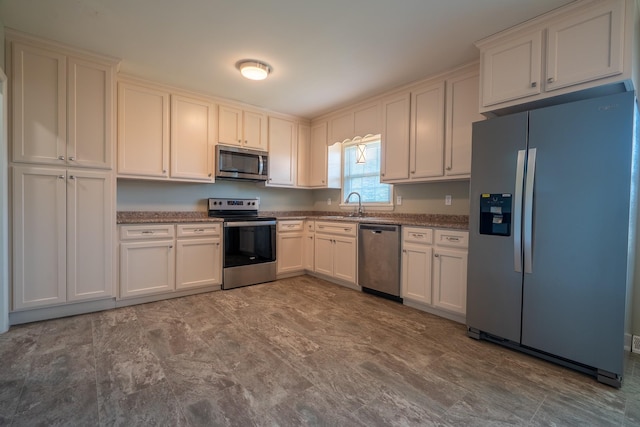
{"points": [[253, 70]]}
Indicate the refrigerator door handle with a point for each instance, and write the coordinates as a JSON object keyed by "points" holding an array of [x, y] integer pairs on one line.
{"points": [[517, 213], [528, 210]]}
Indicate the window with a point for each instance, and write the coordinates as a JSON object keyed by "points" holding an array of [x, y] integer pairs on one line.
{"points": [[364, 177]]}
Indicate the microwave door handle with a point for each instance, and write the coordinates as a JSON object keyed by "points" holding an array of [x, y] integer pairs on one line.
{"points": [[260, 165]]}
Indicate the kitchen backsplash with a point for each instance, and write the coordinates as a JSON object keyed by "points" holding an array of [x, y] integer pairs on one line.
{"points": [[140, 195]]}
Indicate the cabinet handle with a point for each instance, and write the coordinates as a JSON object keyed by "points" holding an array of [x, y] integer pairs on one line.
{"points": [[239, 141], [323, 181], [209, 175], [61, 176], [73, 159], [246, 142], [534, 84], [550, 80], [404, 251], [453, 239], [347, 229], [381, 174], [436, 255], [413, 171], [170, 246], [448, 168], [60, 157], [72, 177], [417, 236], [164, 171], [147, 232], [199, 230], [310, 237]]}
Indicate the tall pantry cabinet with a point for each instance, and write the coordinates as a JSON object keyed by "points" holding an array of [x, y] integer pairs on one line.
{"points": [[62, 183]]}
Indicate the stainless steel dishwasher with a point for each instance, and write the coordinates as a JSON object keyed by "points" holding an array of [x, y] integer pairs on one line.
{"points": [[379, 260]]}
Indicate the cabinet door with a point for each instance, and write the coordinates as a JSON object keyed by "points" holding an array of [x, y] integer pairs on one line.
{"points": [[427, 132], [191, 139], [511, 70], [146, 268], [229, 125], [367, 120], [304, 150], [39, 237], [90, 138], [416, 272], [143, 131], [324, 254], [255, 130], [344, 258], [395, 138], [585, 47], [89, 235], [318, 156], [283, 152], [39, 94], [198, 262], [290, 252], [450, 280], [462, 111], [308, 249]]}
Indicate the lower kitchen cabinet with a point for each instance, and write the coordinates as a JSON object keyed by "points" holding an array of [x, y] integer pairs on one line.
{"points": [[62, 234], [147, 260], [335, 250], [164, 258], [434, 270], [308, 246], [198, 255], [289, 246]]}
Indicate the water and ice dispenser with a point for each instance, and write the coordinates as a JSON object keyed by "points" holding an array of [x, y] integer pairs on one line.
{"points": [[495, 214]]}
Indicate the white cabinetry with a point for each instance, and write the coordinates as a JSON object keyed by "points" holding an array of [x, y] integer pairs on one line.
{"points": [[163, 135], [434, 271], [290, 253], [283, 152], [450, 271], [308, 246], [242, 127], [336, 250], [61, 253], [62, 107], [147, 259], [417, 256], [304, 155], [588, 44], [360, 121], [198, 255], [425, 138]]}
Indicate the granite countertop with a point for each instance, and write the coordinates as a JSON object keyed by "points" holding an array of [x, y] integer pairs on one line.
{"points": [[456, 222]]}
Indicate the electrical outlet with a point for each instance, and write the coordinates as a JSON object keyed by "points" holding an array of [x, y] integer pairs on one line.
{"points": [[329, 202], [398, 200], [447, 200]]}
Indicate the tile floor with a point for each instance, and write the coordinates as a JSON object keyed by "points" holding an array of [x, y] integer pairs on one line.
{"points": [[299, 351]]}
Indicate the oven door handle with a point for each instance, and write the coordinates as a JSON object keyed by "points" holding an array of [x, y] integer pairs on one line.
{"points": [[248, 223]]}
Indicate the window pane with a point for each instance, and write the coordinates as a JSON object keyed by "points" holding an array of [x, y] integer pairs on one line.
{"points": [[365, 177]]}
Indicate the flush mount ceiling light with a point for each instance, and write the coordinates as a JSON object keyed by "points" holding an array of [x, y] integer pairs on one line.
{"points": [[253, 70]]}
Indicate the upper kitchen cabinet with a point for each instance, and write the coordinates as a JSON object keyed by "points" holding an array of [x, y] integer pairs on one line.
{"points": [[395, 138], [242, 127], [323, 162], [461, 111], [143, 131], [360, 121], [583, 45], [304, 155], [192, 138], [62, 104], [164, 135], [283, 152]]}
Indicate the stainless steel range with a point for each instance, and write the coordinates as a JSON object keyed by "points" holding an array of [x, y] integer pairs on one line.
{"points": [[249, 242]]}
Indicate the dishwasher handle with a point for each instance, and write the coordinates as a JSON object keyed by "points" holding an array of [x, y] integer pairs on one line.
{"points": [[379, 228]]}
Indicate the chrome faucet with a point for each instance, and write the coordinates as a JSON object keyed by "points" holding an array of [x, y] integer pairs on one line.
{"points": [[360, 211]]}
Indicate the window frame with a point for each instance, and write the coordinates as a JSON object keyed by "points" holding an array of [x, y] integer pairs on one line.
{"points": [[353, 202]]}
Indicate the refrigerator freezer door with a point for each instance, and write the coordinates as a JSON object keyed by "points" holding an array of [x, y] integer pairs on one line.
{"points": [[494, 287], [574, 301]]}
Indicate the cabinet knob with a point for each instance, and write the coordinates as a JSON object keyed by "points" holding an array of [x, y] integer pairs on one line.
{"points": [[60, 157], [239, 141], [246, 141], [551, 80], [534, 84], [413, 171], [209, 175], [404, 251], [170, 246], [436, 255], [73, 159], [61, 176], [448, 168], [381, 174], [323, 181], [72, 177]]}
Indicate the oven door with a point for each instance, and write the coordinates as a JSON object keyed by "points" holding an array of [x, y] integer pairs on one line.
{"points": [[249, 242]]}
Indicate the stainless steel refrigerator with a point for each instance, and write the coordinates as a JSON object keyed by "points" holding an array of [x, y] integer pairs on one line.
{"points": [[551, 229]]}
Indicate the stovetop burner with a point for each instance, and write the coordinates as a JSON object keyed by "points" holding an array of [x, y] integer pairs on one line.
{"points": [[236, 209]]}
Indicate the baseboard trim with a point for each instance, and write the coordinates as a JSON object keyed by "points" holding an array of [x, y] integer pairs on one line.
{"points": [[436, 311], [159, 297], [47, 313]]}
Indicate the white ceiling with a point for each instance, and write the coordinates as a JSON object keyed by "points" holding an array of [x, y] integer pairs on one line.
{"points": [[324, 53]]}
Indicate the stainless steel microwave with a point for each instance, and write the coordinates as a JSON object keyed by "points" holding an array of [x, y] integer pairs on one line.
{"points": [[241, 163]]}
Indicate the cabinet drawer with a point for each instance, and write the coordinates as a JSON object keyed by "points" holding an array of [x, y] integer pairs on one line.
{"points": [[341, 228], [141, 232], [310, 226], [417, 235], [194, 230], [454, 239], [291, 225]]}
